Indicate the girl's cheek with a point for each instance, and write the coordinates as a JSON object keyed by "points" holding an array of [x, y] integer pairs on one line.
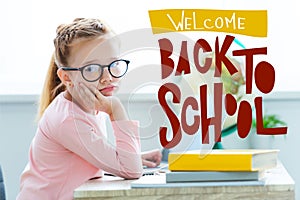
{"points": [[77, 78]]}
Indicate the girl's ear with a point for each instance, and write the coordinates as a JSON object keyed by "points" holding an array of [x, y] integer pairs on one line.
{"points": [[64, 77]]}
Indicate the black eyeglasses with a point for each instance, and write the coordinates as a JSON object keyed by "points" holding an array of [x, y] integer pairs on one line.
{"points": [[93, 72]]}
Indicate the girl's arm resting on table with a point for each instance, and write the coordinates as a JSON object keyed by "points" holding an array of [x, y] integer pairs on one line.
{"points": [[124, 160]]}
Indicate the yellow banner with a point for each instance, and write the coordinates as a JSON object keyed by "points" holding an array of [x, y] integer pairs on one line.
{"points": [[245, 22]]}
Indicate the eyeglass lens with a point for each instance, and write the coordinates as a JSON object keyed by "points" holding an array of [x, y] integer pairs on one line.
{"points": [[93, 72]]}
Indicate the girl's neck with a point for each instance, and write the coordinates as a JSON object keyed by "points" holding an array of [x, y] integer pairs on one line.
{"points": [[67, 95]]}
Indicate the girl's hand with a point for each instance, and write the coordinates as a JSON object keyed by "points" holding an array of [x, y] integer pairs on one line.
{"points": [[91, 99], [151, 158]]}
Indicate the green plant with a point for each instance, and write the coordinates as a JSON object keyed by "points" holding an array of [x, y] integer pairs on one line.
{"points": [[270, 121]]}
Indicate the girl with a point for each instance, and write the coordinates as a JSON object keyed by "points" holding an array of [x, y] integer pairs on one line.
{"points": [[70, 145]]}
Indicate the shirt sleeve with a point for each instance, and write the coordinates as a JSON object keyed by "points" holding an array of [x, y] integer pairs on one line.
{"points": [[124, 160]]}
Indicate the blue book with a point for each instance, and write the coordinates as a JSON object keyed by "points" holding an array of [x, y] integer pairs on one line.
{"points": [[159, 181], [198, 176]]}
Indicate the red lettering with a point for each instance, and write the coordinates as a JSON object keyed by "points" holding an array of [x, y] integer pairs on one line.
{"points": [[259, 121], [183, 62], [217, 119], [264, 77], [222, 58], [192, 129], [167, 64], [169, 87], [201, 43], [244, 119], [248, 53]]}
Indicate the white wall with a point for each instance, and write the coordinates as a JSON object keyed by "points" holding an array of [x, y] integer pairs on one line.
{"points": [[17, 128], [28, 29]]}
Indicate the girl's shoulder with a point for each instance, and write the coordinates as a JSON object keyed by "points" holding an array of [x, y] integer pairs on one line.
{"points": [[60, 110]]}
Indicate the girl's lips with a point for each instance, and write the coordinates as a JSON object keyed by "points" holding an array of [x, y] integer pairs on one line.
{"points": [[108, 89]]}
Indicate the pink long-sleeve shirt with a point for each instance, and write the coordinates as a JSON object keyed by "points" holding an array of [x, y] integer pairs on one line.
{"points": [[70, 147]]}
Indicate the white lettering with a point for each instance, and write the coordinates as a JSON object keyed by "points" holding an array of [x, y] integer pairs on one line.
{"points": [[219, 22], [205, 24], [180, 23], [241, 23], [187, 25], [230, 21]]}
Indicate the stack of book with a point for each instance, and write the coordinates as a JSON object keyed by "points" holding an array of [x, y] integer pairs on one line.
{"points": [[220, 165]]}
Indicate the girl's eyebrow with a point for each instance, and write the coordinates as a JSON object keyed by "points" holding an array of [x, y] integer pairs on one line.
{"points": [[96, 61], [91, 62]]}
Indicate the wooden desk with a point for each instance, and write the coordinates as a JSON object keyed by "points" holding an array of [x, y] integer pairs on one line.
{"points": [[277, 185]]}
